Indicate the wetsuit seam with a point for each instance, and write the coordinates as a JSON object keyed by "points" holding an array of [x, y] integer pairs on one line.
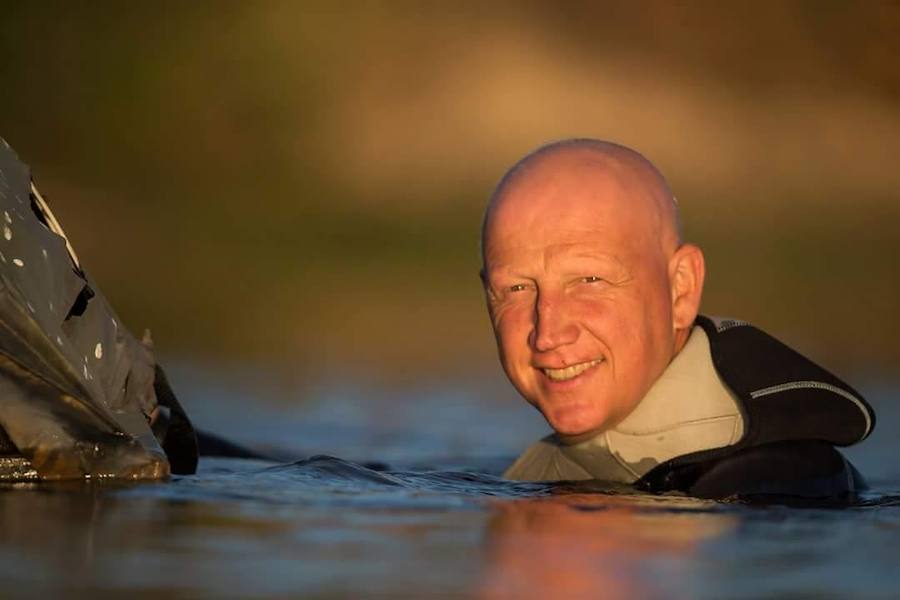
{"points": [[817, 385]]}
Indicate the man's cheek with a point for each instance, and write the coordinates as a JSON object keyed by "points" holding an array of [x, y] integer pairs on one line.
{"points": [[608, 324], [511, 351], [512, 331]]}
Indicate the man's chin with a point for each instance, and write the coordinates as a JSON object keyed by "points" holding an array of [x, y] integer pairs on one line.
{"points": [[577, 429]]}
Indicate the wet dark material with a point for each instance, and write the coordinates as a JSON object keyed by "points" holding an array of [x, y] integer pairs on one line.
{"points": [[798, 468], [429, 516], [76, 387]]}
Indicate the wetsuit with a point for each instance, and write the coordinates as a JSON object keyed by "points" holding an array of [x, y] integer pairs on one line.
{"points": [[736, 413]]}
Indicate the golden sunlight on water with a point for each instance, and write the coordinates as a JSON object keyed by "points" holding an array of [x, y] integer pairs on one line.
{"points": [[589, 546]]}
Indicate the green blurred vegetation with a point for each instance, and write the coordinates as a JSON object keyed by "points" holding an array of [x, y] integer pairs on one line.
{"points": [[301, 183]]}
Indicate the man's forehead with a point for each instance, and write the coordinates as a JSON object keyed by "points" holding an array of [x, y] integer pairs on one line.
{"points": [[560, 214], [576, 250], [552, 244]]}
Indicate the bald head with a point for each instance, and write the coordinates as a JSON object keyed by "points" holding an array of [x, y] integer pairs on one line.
{"points": [[646, 189], [590, 290]]}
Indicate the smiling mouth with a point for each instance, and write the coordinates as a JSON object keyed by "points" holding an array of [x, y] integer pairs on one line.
{"points": [[571, 372]]}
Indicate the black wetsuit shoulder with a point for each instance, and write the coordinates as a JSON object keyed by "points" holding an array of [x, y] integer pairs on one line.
{"points": [[794, 468], [794, 413]]}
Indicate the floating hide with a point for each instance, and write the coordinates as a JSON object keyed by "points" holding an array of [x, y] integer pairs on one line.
{"points": [[77, 389]]}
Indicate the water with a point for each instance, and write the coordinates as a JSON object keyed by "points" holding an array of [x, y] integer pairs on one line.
{"points": [[433, 519]]}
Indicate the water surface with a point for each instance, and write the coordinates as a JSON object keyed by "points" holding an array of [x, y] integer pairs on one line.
{"points": [[414, 507]]}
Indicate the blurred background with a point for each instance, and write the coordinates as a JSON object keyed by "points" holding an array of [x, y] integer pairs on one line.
{"points": [[298, 185]]}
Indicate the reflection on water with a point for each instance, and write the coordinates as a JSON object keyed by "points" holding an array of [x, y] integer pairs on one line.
{"points": [[328, 526], [591, 546], [437, 521]]}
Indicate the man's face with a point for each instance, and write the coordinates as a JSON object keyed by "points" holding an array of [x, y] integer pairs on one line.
{"points": [[578, 293]]}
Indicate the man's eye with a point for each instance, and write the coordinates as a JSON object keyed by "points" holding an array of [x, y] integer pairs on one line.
{"points": [[519, 287], [591, 279]]}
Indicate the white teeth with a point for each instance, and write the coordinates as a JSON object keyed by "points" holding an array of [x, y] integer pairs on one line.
{"points": [[570, 372]]}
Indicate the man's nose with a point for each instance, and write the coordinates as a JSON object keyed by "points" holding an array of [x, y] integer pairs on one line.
{"points": [[552, 325]]}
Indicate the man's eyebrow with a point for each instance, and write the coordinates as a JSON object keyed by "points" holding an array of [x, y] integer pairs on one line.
{"points": [[511, 274]]}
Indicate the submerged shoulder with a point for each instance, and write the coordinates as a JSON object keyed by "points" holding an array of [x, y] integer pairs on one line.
{"points": [[534, 460], [543, 461], [797, 468]]}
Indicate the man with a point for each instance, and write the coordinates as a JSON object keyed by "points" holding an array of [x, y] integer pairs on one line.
{"points": [[594, 301]]}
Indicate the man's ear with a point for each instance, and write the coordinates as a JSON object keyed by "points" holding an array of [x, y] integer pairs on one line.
{"points": [[687, 270]]}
